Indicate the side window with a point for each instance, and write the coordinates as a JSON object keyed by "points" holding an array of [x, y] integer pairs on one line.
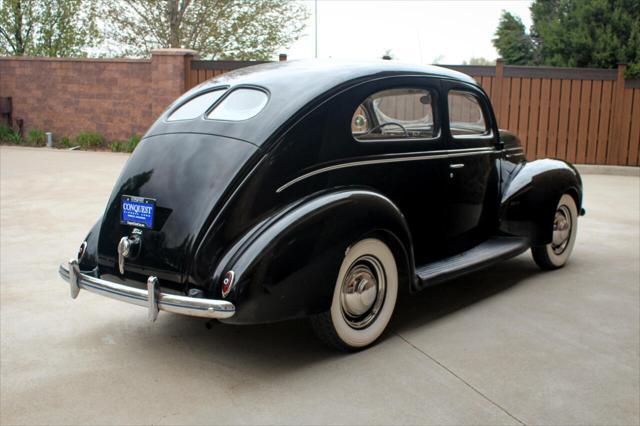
{"points": [[465, 115], [395, 114]]}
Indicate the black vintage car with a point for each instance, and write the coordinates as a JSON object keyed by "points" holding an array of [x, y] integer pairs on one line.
{"points": [[322, 189]]}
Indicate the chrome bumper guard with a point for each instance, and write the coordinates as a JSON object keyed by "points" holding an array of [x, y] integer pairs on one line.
{"points": [[151, 298]]}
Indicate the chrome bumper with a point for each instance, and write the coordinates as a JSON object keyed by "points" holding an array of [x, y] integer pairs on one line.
{"points": [[151, 298]]}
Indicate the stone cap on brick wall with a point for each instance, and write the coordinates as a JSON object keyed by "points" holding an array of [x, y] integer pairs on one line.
{"points": [[74, 59], [175, 52]]}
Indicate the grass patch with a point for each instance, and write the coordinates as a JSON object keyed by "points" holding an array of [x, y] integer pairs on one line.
{"points": [[89, 140], [8, 135], [36, 137], [125, 146]]}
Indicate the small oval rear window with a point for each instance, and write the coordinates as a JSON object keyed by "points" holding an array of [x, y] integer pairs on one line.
{"points": [[196, 106], [241, 104]]}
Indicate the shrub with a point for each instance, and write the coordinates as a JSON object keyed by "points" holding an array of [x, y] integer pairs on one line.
{"points": [[125, 146], [64, 142], [133, 142], [36, 137], [15, 138], [88, 140], [8, 135], [117, 146], [5, 133]]}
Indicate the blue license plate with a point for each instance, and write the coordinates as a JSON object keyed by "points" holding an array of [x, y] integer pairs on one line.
{"points": [[137, 211]]}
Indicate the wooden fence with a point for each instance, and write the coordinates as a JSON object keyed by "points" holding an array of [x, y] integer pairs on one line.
{"points": [[583, 115]]}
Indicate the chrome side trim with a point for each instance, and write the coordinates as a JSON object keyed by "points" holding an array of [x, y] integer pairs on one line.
{"points": [[430, 156], [514, 152], [192, 306]]}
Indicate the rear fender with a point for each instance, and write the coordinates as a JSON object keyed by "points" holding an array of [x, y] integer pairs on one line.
{"points": [[89, 260], [286, 267], [531, 195]]}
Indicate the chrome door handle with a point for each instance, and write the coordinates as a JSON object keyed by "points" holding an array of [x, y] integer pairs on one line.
{"points": [[456, 166]]}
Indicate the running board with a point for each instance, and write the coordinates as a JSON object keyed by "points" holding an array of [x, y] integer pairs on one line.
{"points": [[492, 251]]}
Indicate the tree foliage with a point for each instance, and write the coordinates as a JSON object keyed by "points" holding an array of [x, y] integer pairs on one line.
{"points": [[575, 33], [219, 29], [48, 27], [512, 41], [587, 33]]}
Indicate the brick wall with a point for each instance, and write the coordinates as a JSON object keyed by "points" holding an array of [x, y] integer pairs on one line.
{"points": [[114, 97]]}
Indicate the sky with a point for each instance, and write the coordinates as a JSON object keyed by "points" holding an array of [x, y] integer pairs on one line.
{"points": [[418, 31]]}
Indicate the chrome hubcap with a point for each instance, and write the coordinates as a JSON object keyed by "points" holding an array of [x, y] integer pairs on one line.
{"points": [[561, 229], [362, 292]]}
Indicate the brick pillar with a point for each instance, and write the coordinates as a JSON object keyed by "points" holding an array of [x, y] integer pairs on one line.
{"points": [[169, 72]]}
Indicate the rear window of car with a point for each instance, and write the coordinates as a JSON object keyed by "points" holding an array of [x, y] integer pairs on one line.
{"points": [[241, 104], [405, 113], [195, 107]]}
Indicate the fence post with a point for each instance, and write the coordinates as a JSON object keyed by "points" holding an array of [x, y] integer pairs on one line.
{"points": [[615, 130], [169, 76], [496, 88], [188, 84]]}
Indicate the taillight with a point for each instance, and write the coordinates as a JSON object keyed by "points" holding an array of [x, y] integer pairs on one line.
{"points": [[227, 283]]}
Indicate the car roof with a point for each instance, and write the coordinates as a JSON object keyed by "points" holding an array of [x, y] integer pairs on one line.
{"points": [[291, 86], [327, 72]]}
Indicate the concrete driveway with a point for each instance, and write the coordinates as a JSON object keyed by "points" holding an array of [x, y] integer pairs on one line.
{"points": [[509, 345]]}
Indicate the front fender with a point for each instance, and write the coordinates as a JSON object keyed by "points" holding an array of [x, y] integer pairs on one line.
{"points": [[531, 195], [287, 266]]}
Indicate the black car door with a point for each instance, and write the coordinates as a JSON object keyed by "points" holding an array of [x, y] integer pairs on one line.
{"points": [[398, 127], [473, 181]]}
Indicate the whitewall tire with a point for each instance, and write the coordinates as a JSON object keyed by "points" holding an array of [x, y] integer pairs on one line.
{"points": [[565, 228], [363, 299]]}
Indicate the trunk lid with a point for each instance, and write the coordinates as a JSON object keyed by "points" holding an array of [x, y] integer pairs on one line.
{"points": [[189, 176]]}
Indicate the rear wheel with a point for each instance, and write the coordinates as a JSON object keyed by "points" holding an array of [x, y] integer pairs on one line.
{"points": [[363, 299], [565, 227]]}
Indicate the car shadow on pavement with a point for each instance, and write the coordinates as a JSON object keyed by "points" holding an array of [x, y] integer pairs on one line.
{"points": [[282, 348], [419, 309]]}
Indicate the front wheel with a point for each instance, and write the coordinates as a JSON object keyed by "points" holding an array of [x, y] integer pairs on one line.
{"points": [[363, 299], [565, 227]]}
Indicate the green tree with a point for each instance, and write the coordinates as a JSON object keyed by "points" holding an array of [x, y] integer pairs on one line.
{"points": [[574, 33], [219, 29], [512, 42], [48, 27], [587, 33], [16, 26]]}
